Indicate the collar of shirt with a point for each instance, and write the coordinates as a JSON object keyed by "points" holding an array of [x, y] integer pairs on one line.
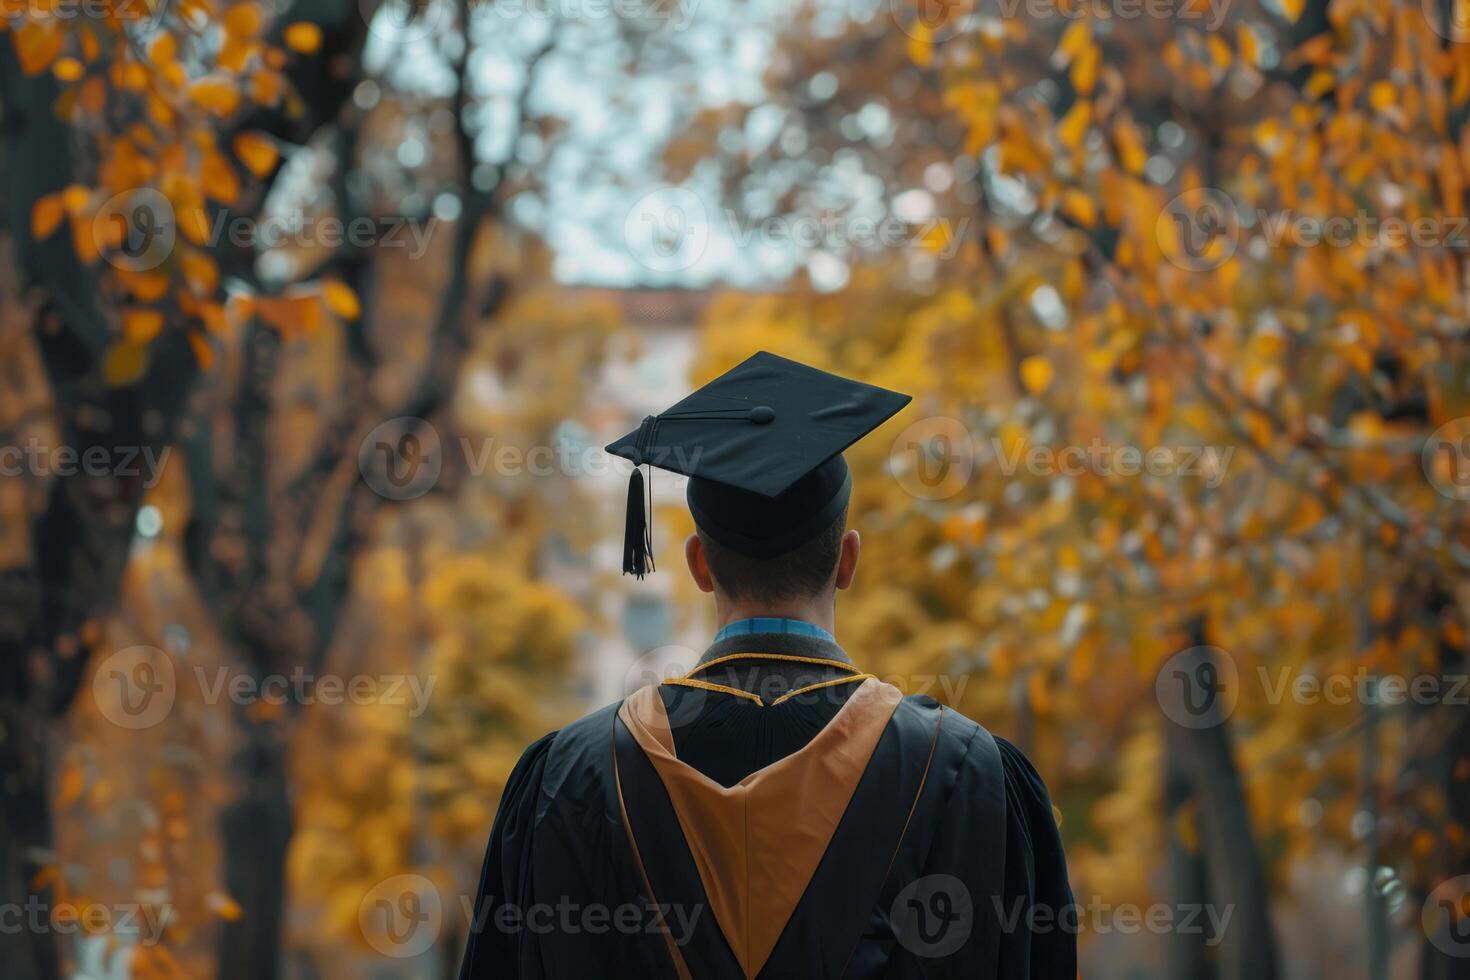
{"points": [[773, 624]]}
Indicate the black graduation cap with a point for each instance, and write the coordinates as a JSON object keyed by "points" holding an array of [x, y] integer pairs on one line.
{"points": [[762, 445]]}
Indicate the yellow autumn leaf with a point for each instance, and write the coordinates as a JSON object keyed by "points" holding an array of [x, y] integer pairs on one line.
{"points": [[164, 50], [75, 197], [140, 325], [1084, 69], [67, 69], [1131, 153], [243, 20], [224, 906], [920, 46], [293, 314], [193, 224], [203, 352], [46, 215], [216, 93], [1074, 124], [303, 37], [124, 363], [257, 152], [200, 271], [1036, 374], [1080, 207], [146, 287], [1250, 46], [219, 179], [1074, 39], [44, 876], [1382, 95], [37, 44], [341, 300], [70, 786]]}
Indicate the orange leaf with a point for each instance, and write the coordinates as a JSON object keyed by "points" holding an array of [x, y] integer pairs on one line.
{"points": [[1084, 70], [93, 95], [341, 300], [243, 20], [37, 44], [44, 876], [164, 50], [203, 352], [193, 224], [224, 906], [199, 270], [141, 326], [303, 37], [292, 313], [257, 152], [125, 363], [216, 93], [1081, 208], [75, 196], [46, 215], [1036, 374], [219, 179], [1074, 39], [73, 780], [67, 69], [146, 287]]}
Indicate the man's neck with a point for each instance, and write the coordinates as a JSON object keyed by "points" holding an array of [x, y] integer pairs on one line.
{"points": [[819, 614]]}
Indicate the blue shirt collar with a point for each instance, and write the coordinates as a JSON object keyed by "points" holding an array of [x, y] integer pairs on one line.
{"points": [[773, 624]]}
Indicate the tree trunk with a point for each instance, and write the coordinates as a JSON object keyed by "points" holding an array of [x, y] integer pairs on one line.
{"points": [[80, 542], [1236, 874], [256, 832], [1188, 955]]}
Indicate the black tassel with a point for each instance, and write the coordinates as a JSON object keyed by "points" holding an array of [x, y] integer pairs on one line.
{"points": [[637, 531]]}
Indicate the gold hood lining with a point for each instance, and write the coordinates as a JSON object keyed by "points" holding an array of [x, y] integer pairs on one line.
{"points": [[757, 844]]}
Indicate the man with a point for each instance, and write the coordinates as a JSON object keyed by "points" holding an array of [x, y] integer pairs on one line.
{"points": [[776, 812]]}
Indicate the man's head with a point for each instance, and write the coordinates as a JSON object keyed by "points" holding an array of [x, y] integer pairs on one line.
{"points": [[805, 576]]}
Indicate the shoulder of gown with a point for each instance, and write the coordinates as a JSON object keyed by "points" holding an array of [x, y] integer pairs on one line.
{"points": [[1021, 900], [1035, 890], [505, 875], [1042, 941]]}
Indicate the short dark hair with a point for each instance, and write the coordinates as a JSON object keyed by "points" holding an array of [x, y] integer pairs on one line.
{"points": [[799, 573]]}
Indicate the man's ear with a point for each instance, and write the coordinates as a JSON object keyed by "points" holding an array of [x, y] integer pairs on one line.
{"points": [[847, 562], [698, 563]]}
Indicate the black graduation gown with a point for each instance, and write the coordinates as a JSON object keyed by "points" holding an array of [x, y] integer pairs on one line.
{"points": [[945, 863]]}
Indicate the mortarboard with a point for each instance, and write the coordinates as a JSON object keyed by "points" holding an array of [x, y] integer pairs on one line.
{"points": [[762, 445]]}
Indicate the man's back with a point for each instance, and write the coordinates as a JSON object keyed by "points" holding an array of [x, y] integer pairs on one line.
{"points": [[776, 813]]}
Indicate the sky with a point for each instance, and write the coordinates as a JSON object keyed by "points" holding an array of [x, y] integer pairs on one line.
{"points": [[622, 79]]}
